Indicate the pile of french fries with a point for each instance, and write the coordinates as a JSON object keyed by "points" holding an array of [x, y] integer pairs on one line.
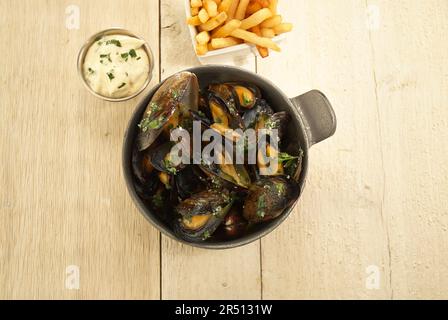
{"points": [[225, 23]]}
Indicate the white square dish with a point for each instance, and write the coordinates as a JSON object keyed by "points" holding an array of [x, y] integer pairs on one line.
{"points": [[234, 52]]}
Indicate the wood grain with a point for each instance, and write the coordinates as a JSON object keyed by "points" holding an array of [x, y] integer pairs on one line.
{"points": [[63, 200], [410, 53], [338, 229]]}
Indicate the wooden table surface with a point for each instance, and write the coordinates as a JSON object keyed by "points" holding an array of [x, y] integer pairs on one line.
{"points": [[376, 200]]}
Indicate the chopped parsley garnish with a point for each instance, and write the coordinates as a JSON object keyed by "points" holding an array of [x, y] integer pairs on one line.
{"points": [[132, 53], [285, 157], [106, 56], [153, 106], [247, 100], [206, 235], [91, 71], [175, 94], [122, 85], [114, 41], [280, 187], [148, 123], [138, 58], [169, 167], [99, 43], [125, 56], [261, 206], [111, 75]]}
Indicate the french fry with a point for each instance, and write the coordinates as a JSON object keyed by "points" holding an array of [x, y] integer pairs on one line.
{"points": [[226, 29], [203, 37], [272, 22], [209, 47], [255, 19], [213, 22], [225, 6], [203, 15], [264, 52], [211, 7], [201, 49], [253, 38], [194, 11], [282, 28], [241, 10], [194, 21], [196, 3], [232, 9], [263, 3], [219, 43], [267, 33], [218, 2], [273, 6], [253, 7]]}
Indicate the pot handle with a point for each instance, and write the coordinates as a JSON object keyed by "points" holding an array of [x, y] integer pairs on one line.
{"points": [[317, 114]]}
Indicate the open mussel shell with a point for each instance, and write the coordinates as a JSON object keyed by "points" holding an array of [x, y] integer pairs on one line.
{"points": [[238, 96], [162, 159], [189, 181], [179, 92], [277, 121], [201, 214], [146, 181], [222, 119], [269, 197], [250, 116], [229, 171]]}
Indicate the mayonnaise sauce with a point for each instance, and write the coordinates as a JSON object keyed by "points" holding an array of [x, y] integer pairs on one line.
{"points": [[116, 66]]}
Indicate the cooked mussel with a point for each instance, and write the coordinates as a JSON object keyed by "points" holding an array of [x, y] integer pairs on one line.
{"points": [[162, 159], [237, 96], [189, 181], [146, 177], [250, 117], [222, 119], [178, 93], [269, 197], [278, 121], [201, 214], [234, 173]]}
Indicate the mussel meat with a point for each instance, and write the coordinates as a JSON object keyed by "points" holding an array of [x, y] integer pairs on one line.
{"points": [[269, 197], [178, 93], [201, 214]]}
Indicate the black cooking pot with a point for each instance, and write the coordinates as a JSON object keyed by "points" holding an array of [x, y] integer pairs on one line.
{"points": [[313, 120]]}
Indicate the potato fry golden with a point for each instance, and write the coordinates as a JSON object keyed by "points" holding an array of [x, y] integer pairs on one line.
{"points": [[196, 3], [282, 28], [211, 7], [201, 49], [218, 2], [272, 22], [194, 11], [232, 9], [213, 22], [203, 15], [226, 29], [267, 32], [254, 39], [194, 21], [264, 52], [273, 6], [203, 37], [241, 9], [225, 6], [253, 7], [219, 43], [255, 19]]}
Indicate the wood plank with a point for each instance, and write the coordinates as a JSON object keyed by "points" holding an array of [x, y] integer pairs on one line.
{"points": [[190, 273], [63, 200], [337, 230], [411, 68]]}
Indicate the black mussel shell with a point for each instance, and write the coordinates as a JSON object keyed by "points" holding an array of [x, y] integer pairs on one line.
{"points": [[250, 117], [161, 159], [269, 197], [180, 93], [246, 95], [189, 181], [201, 214]]}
